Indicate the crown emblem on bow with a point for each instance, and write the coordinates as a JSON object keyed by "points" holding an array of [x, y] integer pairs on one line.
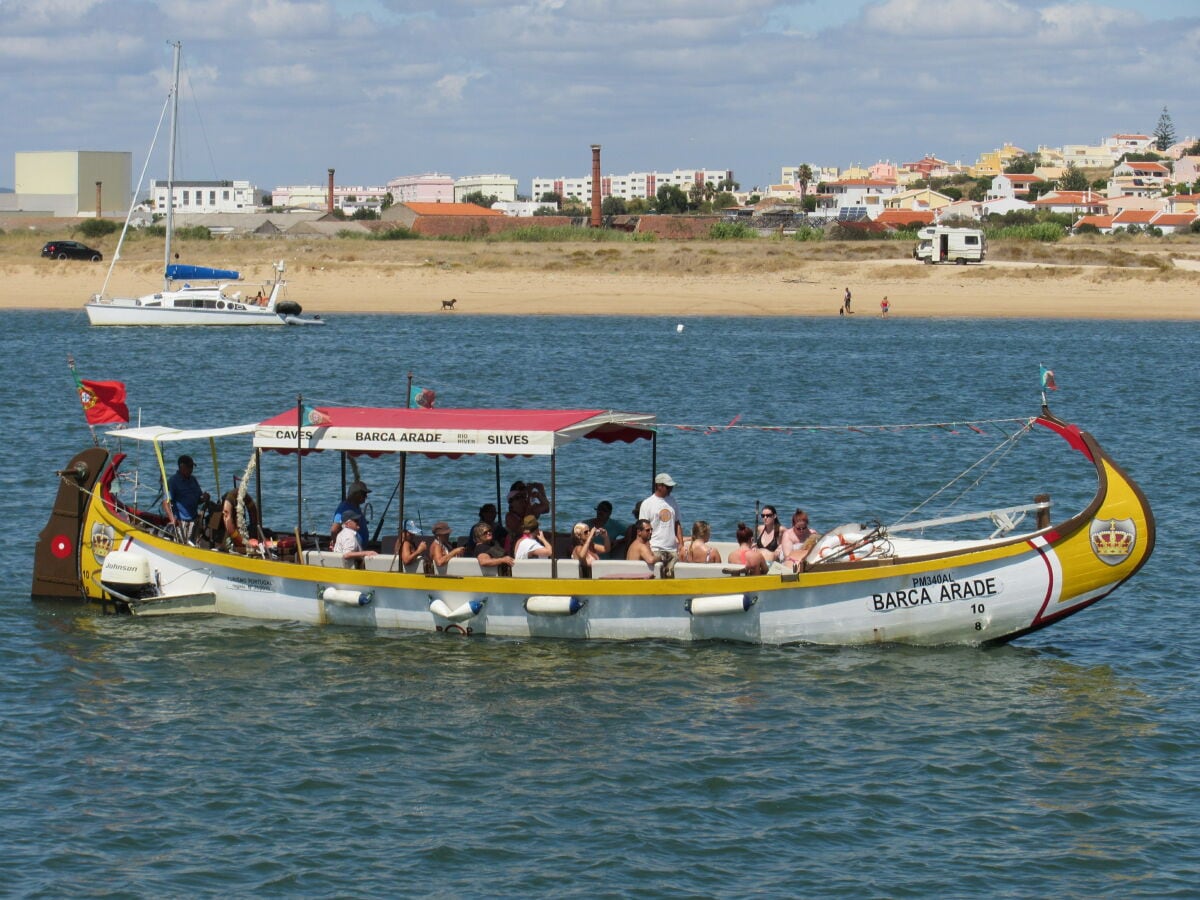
{"points": [[1113, 539]]}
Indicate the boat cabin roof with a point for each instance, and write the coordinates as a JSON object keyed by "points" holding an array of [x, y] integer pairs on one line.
{"points": [[448, 432], [434, 432]]}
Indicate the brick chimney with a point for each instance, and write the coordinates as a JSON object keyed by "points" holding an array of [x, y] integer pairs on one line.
{"points": [[595, 221], [329, 197]]}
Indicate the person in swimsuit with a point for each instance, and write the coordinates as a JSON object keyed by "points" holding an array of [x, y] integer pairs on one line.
{"points": [[768, 536], [697, 549], [798, 539], [746, 554]]}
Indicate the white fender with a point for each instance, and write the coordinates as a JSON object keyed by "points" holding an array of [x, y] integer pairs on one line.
{"points": [[467, 610], [554, 606], [720, 605], [344, 597]]}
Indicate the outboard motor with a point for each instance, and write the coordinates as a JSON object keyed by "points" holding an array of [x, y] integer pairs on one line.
{"points": [[127, 576]]}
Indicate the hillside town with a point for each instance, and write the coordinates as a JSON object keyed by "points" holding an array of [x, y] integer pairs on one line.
{"points": [[1127, 182]]}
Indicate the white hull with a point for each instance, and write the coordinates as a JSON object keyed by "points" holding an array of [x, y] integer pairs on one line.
{"points": [[920, 602], [119, 312]]}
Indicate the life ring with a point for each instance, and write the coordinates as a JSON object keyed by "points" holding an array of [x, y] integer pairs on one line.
{"points": [[837, 544]]}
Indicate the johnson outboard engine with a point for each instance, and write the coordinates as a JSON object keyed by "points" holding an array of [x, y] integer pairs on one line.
{"points": [[127, 576]]}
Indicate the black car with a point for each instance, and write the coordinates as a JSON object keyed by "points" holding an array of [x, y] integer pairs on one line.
{"points": [[71, 250]]}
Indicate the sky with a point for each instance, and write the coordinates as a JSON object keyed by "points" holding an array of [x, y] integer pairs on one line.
{"points": [[280, 91]]}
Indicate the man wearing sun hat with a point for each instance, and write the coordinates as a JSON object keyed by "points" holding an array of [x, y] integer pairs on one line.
{"points": [[662, 512], [356, 496]]}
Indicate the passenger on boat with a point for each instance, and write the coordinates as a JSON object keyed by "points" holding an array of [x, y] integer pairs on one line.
{"points": [[622, 544], [524, 500], [347, 543], [185, 496], [356, 496], [488, 552], [799, 539], [488, 514], [228, 534], [533, 543], [584, 549], [661, 510], [607, 527], [697, 549], [411, 546], [441, 550], [640, 548], [768, 536], [746, 554]]}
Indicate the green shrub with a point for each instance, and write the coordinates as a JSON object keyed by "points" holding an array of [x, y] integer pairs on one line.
{"points": [[808, 234], [95, 228], [399, 233], [194, 233], [726, 231]]}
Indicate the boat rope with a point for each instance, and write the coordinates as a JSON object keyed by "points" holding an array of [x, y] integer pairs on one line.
{"points": [[996, 455]]}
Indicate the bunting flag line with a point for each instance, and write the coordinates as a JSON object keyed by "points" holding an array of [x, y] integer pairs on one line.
{"points": [[979, 426], [103, 401], [1048, 379]]}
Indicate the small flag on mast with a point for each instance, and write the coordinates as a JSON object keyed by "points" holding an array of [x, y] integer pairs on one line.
{"points": [[1048, 380], [314, 416], [422, 397], [103, 401]]}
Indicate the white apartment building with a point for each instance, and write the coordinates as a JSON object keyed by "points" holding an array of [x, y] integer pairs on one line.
{"points": [[430, 187], [820, 174], [205, 196], [634, 186], [347, 198], [502, 187]]}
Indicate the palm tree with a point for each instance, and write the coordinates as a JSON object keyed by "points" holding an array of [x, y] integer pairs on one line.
{"points": [[804, 177]]}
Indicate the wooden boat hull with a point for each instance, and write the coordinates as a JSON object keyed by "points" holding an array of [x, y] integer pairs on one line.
{"points": [[977, 593]]}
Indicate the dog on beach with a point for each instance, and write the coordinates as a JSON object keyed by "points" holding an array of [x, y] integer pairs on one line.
{"points": [[449, 304]]}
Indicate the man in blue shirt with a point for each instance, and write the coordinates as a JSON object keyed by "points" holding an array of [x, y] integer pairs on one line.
{"points": [[185, 497], [356, 496]]}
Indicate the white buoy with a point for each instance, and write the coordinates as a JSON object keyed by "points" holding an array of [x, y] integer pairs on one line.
{"points": [[679, 328]]}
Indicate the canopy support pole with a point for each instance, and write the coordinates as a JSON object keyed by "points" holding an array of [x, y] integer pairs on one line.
{"points": [[299, 470], [553, 513]]}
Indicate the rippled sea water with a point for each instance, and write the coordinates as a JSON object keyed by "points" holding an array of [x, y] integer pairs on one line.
{"points": [[223, 757]]}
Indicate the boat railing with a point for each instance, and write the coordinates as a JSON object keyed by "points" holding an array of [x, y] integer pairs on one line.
{"points": [[1006, 519]]}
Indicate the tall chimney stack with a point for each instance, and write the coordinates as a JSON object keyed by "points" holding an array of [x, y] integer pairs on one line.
{"points": [[595, 222], [329, 198]]}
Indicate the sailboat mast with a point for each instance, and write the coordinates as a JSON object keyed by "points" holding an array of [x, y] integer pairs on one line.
{"points": [[171, 168]]}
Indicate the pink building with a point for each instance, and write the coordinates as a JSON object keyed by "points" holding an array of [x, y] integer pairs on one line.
{"points": [[428, 188]]}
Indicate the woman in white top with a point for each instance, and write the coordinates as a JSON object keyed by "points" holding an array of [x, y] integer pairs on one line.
{"points": [[532, 544]]}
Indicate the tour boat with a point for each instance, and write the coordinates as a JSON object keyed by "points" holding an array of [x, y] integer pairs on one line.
{"points": [[860, 584], [221, 298]]}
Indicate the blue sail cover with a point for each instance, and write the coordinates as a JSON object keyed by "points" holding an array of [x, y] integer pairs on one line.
{"points": [[201, 273]]}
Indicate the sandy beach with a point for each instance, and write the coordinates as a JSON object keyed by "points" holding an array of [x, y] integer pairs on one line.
{"points": [[675, 279]]}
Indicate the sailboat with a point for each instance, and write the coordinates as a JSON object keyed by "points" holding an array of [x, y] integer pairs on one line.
{"points": [[218, 298]]}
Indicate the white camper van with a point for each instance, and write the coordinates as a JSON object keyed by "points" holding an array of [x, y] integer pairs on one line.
{"points": [[957, 245]]}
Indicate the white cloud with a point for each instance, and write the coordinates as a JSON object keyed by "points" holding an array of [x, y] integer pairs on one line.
{"points": [[948, 18]]}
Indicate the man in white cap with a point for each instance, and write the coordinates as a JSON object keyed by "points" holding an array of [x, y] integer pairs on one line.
{"points": [[356, 496], [662, 512]]}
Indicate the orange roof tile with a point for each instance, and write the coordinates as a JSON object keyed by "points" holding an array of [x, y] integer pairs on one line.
{"points": [[904, 216], [1134, 216], [1175, 219]]}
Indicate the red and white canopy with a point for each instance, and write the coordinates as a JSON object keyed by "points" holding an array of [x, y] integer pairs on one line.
{"points": [[451, 432]]}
